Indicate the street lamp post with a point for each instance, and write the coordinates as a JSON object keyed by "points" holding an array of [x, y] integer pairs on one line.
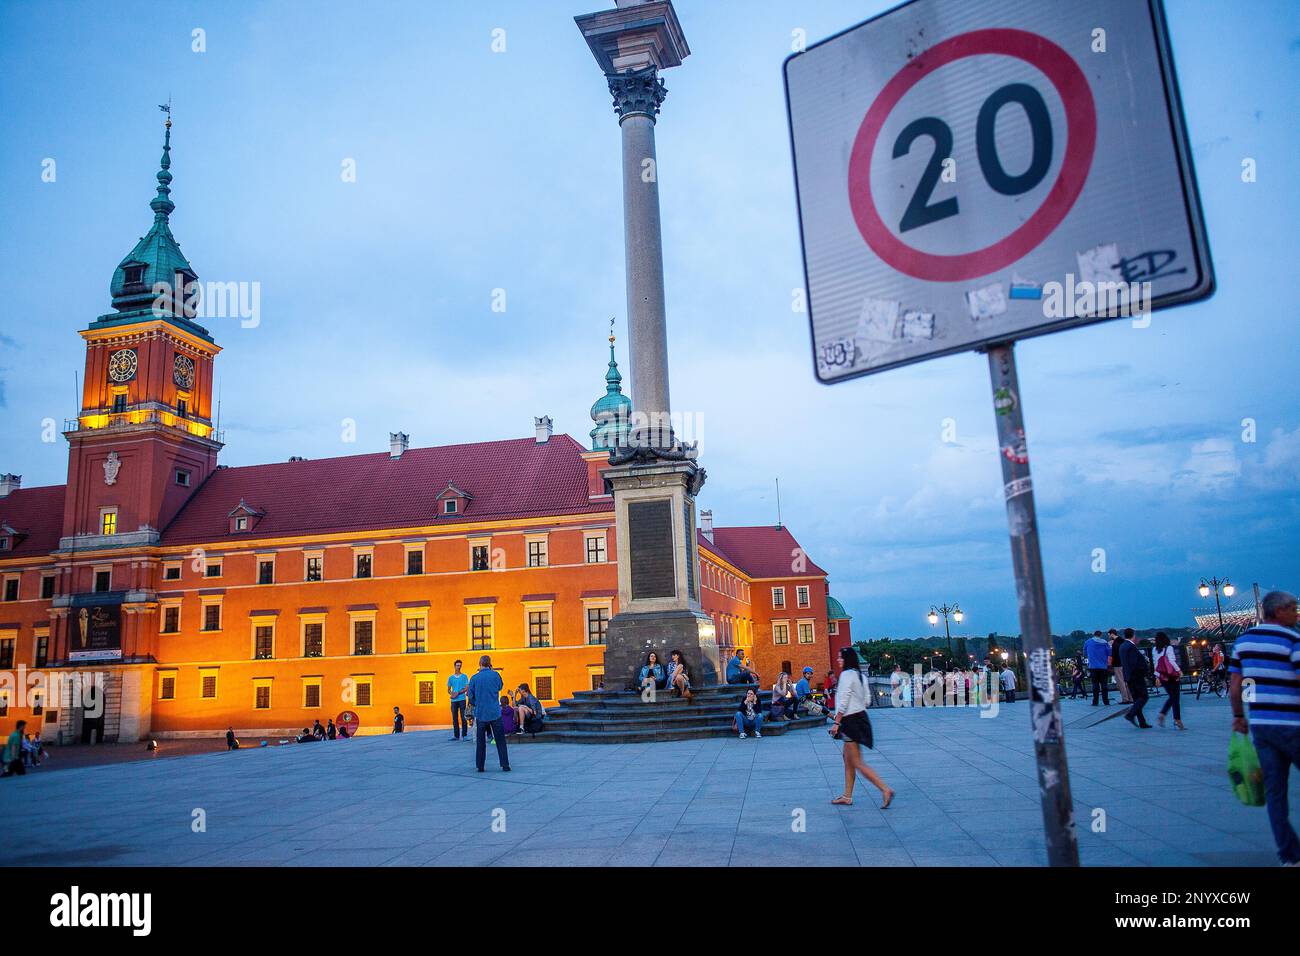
{"points": [[1214, 584], [946, 610]]}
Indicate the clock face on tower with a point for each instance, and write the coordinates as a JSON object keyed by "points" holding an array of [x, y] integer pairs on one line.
{"points": [[183, 371], [122, 365]]}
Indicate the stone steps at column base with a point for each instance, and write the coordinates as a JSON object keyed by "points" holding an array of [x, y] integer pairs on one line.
{"points": [[599, 732]]}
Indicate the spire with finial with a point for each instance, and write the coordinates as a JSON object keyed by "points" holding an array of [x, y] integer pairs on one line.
{"points": [[613, 410], [157, 257], [162, 204]]}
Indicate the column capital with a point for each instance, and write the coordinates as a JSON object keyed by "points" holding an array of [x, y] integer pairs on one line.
{"points": [[637, 92]]}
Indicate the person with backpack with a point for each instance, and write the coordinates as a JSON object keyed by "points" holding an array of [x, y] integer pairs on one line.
{"points": [[1169, 675], [853, 727]]}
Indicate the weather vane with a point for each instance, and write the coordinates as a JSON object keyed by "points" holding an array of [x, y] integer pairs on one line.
{"points": [[167, 108], [611, 328]]}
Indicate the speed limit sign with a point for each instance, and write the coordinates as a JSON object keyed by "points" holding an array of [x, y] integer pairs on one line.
{"points": [[971, 173]]}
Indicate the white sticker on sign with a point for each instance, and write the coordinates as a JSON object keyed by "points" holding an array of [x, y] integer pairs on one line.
{"points": [[1100, 264], [987, 302]]}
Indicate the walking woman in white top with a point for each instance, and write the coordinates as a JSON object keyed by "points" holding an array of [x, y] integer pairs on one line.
{"points": [[854, 729]]}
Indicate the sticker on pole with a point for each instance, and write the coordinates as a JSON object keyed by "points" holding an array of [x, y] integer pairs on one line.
{"points": [[979, 173]]}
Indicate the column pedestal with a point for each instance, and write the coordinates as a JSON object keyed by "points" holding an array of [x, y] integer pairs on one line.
{"points": [[658, 569]]}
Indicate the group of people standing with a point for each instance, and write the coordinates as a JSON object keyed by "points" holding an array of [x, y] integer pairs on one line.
{"points": [[520, 710], [1119, 655]]}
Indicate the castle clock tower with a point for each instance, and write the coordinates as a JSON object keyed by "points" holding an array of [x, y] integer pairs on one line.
{"points": [[142, 443], [143, 440]]}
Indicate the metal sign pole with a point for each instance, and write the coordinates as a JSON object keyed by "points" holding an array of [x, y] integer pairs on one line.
{"points": [[1036, 634]]}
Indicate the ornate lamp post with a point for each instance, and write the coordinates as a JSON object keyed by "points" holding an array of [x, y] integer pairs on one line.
{"points": [[945, 610], [1215, 585]]}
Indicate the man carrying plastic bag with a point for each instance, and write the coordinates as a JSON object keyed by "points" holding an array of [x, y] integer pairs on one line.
{"points": [[1268, 657]]}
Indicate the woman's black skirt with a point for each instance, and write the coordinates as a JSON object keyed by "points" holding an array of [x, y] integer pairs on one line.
{"points": [[857, 728]]}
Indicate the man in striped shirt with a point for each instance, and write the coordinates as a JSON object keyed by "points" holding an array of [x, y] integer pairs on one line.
{"points": [[1268, 656]]}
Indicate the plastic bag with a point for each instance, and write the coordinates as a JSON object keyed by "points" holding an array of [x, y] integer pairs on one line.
{"points": [[1245, 772]]}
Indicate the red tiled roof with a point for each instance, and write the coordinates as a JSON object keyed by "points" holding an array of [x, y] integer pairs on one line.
{"points": [[761, 552], [37, 515], [507, 479]]}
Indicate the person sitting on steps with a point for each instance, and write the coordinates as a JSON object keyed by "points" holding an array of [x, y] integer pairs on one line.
{"points": [[749, 718], [678, 677], [651, 673], [737, 672]]}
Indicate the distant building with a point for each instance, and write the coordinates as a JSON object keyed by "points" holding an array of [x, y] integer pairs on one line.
{"points": [[198, 596]]}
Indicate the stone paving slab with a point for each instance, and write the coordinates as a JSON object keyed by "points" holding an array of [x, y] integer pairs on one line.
{"points": [[966, 787]]}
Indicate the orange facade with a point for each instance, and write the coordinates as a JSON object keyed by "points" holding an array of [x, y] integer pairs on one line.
{"points": [[195, 597]]}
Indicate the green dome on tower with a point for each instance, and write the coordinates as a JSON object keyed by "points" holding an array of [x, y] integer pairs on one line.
{"points": [[612, 412]]}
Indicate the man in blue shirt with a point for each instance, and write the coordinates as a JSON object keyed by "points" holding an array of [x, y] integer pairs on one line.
{"points": [[802, 690], [1268, 655], [456, 685], [1098, 651], [737, 672], [484, 692]]}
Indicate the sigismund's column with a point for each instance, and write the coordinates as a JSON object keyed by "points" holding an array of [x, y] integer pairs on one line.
{"points": [[654, 478]]}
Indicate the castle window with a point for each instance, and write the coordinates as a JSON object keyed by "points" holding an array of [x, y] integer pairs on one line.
{"points": [[263, 642], [478, 557], [103, 581], [805, 632], [364, 565], [415, 635], [266, 571], [208, 684], [213, 569], [241, 523], [119, 403], [182, 407], [415, 560], [171, 619], [597, 624], [167, 687], [449, 506], [801, 595], [42, 657], [262, 695], [537, 551], [212, 616], [596, 549], [11, 588], [313, 571], [480, 632], [313, 640], [182, 478], [539, 628], [108, 521], [363, 637], [778, 597], [7, 653], [133, 274]]}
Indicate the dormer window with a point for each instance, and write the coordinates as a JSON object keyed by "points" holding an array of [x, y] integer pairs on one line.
{"points": [[244, 518], [134, 274], [453, 501]]}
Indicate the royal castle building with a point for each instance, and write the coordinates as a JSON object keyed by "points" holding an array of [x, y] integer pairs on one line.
{"points": [[194, 596]]}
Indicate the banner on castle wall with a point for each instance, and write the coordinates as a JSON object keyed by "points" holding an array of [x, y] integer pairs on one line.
{"points": [[96, 633]]}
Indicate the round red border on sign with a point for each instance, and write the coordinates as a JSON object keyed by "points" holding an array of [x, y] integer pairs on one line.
{"points": [[1081, 131]]}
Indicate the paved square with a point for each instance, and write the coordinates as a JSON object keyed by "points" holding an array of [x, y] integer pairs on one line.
{"points": [[966, 796]]}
